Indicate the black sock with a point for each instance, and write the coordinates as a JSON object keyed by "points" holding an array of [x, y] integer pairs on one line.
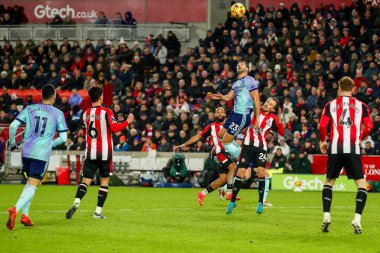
{"points": [[230, 187], [361, 198], [261, 189], [236, 189], [102, 195], [81, 191], [327, 198], [209, 189]]}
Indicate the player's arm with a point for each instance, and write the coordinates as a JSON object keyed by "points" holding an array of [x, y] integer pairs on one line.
{"points": [[367, 122], [197, 137], [325, 120], [226, 98], [278, 125], [116, 127], [62, 131], [254, 92], [19, 120]]}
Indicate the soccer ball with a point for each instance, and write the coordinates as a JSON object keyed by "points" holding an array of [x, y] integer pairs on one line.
{"points": [[237, 10]]}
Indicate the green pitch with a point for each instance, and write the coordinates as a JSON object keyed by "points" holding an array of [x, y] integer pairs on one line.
{"points": [[148, 220]]}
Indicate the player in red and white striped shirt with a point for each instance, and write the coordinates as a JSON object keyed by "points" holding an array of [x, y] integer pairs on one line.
{"points": [[100, 123], [347, 117], [255, 150], [227, 167]]}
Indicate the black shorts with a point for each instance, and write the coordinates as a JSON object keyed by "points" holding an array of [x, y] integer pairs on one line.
{"points": [[352, 165], [91, 167], [223, 161], [34, 168], [252, 154]]}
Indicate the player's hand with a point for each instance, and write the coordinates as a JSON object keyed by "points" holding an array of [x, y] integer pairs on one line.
{"points": [[216, 96], [180, 147], [130, 118], [12, 147], [323, 147], [279, 115]]}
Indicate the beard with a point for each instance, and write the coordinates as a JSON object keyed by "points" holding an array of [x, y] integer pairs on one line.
{"points": [[220, 119]]}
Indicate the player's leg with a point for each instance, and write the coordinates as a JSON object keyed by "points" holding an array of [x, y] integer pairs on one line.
{"points": [[266, 191], [334, 166], [222, 180], [261, 188], [36, 170], [353, 167], [105, 171], [237, 186], [102, 196], [89, 170]]}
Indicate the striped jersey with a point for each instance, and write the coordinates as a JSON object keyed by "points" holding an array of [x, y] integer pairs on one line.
{"points": [[100, 123], [267, 123], [213, 130], [345, 116]]}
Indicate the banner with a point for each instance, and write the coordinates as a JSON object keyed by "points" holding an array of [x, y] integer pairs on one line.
{"points": [[86, 11], [309, 182], [313, 4], [371, 166]]}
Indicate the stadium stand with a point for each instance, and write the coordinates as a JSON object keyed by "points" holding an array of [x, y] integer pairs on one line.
{"points": [[296, 54]]}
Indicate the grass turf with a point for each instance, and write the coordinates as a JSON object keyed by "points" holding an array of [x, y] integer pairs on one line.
{"points": [[170, 220]]}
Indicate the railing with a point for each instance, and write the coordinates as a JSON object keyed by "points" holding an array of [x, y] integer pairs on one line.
{"points": [[83, 31]]}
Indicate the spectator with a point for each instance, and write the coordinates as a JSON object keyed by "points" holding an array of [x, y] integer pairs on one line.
{"points": [[283, 146], [79, 145], [123, 145], [278, 160], [302, 164], [69, 21], [161, 52], [148, 145], [129, 19], [102, 19], [75, 98], [164, 146], [57, 21]]}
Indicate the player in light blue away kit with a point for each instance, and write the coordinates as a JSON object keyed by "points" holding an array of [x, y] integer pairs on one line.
{"points": [[246, 97], [42, 122]]}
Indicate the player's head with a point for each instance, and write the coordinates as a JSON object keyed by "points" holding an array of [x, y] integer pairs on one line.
{"points": [[48, 93], [270, 105], [96, 94], [346, 84], [220, 114], [242, 67]]}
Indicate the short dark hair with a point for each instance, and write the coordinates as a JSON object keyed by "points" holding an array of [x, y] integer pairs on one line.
{"points": [[245, 61], [48, 92], [346, 83], [95, 93], [277, 102]]}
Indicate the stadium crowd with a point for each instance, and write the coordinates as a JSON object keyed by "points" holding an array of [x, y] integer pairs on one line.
{"points": [[296, 54]]}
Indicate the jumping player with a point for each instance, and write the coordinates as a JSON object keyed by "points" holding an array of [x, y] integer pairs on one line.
{"points": [[100, 123], [255, 150], [346, 115], [246, 96], [227, 168], [42, 121]]}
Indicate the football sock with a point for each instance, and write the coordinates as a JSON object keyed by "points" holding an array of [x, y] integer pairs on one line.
{"points": [[236, 189], [207, 190], [361, 198], [102, 196], [266, 191], [26, 196], [261, 189], [232, 148], [81, 191], [229, 188], [327, 198], [25, 208]]}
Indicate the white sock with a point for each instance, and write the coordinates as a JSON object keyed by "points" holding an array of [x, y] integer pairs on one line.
{"points": [[326, 216], [204, 192], [358, 217], [77, 201], [98, 210]]}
